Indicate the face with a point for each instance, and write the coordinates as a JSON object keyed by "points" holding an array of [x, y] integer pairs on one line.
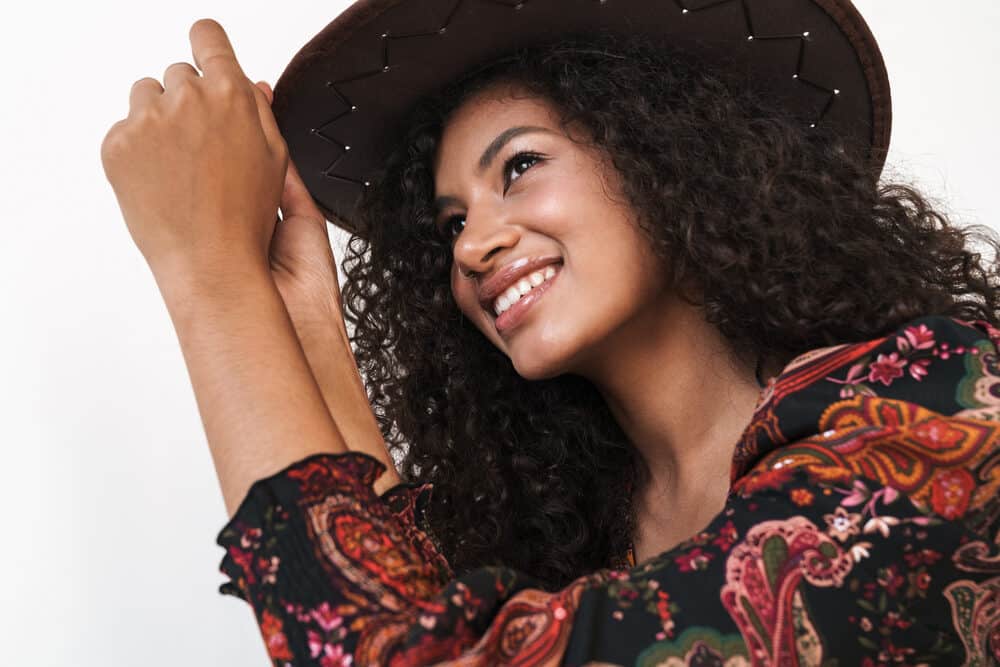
{"points": [[511, 198]]}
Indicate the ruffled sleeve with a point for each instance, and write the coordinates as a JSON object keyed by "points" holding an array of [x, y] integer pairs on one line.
{"points": [[318, 554], [860, 529]]}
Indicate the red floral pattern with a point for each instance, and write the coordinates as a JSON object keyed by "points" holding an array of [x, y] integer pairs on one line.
{"points": [[861, 528]]}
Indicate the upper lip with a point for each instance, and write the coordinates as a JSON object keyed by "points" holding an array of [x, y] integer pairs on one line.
{"points": [[508, 275]]}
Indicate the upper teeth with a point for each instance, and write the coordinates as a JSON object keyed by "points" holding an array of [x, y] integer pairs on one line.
{"points": [[520, 288]]}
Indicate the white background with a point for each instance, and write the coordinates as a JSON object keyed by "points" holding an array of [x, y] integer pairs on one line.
{"points": [[109, 497]]}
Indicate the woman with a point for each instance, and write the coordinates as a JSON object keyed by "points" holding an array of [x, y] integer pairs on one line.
{"points": [[698, 240]]}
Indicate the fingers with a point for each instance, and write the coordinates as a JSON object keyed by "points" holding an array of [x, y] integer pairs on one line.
{"points": [[295, 199], [267, 121], [147, 89], [263, 85], [212, 51], [144, 92], [213, 54], [177, 72]]}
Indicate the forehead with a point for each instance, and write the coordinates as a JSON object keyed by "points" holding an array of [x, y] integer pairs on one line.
{"points": [[480, 118]]}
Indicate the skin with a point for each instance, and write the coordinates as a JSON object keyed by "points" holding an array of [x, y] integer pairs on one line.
{"points": [[199, 169], [609, 317], [205, 223]]}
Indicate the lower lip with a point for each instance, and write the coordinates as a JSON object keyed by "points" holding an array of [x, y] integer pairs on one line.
{"points": [[513, 316]]}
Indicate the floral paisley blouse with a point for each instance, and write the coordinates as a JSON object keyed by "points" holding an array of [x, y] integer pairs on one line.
{"points": [[860, 528]]}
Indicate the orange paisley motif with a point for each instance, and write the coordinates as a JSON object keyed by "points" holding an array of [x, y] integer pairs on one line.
{"points": [[932, 458]]}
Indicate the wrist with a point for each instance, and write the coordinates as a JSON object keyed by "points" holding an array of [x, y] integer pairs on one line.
{"points": [[317, 323], [188, 285]]}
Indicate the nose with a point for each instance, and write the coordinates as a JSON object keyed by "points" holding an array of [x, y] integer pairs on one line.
{"points": [[481, 239]]}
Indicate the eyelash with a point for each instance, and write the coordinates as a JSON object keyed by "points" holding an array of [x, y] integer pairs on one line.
{"points": [[521, 156]]}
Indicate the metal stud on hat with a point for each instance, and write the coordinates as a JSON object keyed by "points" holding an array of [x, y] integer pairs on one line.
{"points": [[341, 99]]}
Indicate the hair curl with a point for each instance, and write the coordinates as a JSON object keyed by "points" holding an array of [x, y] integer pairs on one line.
{"points": [[785, 234]]}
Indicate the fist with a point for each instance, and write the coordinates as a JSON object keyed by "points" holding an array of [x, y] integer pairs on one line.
{"points": [[198, 166]]}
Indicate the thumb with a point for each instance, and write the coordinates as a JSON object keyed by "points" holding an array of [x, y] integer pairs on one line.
{"points": [[295, 198], [263, 85], [263, 97]]}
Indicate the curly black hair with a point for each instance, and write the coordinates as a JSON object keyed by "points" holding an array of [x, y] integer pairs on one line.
{"points": [[782, 234]]}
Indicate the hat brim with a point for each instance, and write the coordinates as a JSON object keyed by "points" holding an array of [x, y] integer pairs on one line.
{"points": [[341, 99]]}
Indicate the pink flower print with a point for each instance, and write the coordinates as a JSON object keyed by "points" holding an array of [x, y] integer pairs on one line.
{"points": [[886, 368], [881, 524], [244, 560], [889, 494], [858, 389], [854, 376], [326, 618], [855, 373], [693, 560], [916, 338], [890, 579], [296, 610], [250, 539], [918, 368], [892, 653], [334, 656], [859, 494], [923, 557], [628, 594], [315, 642], [842, 524], [860, 550], [274, 637], [269, 566], [727, 536]]}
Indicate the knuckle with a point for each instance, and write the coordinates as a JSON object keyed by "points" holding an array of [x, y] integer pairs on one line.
{"points": [[187, 85], [149, 114], [143, 81], [113, 144], [180, 65], [281, 149], [226, 86]]}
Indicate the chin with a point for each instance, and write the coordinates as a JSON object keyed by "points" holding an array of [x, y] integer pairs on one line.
{"points": [[547, 351], [538, 372], [535, 366]]}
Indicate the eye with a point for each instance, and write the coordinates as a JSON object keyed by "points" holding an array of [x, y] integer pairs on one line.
{"points": [[519, 159], [446, 226]]}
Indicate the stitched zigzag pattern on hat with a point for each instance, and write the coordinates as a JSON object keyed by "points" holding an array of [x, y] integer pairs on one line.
{"points": [[682, 7]]}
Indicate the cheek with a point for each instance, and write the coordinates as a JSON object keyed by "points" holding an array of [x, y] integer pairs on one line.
{"points": [[463, 291]]}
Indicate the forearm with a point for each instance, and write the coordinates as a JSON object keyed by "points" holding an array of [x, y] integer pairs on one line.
{"points": [[329, 354], [259, 402]]}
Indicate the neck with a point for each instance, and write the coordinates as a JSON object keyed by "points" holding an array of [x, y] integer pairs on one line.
{"points": [[680, 396]]}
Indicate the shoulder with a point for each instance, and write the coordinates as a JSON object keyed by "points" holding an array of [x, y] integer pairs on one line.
{"points": [[916, 411]]}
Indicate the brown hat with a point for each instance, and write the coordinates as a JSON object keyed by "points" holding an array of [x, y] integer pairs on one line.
{"points": [[341, 100]]}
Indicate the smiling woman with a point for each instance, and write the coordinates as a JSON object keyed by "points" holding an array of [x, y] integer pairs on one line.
{"points": [[674, 379], [685, 242], [556, 212]]}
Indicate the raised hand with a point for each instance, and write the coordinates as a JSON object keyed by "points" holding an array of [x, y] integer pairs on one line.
{"points": [[198, 164], [199, 169]]}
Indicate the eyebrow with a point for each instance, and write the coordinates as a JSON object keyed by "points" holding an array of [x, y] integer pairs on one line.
{"points": [[486, 159]]}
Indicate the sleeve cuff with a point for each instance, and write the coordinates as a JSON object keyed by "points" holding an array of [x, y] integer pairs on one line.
{"points": [[265, 512], [264, 509]]}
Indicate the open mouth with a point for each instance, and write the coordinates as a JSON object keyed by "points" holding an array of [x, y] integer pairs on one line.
{"points": [[517, 311]]}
